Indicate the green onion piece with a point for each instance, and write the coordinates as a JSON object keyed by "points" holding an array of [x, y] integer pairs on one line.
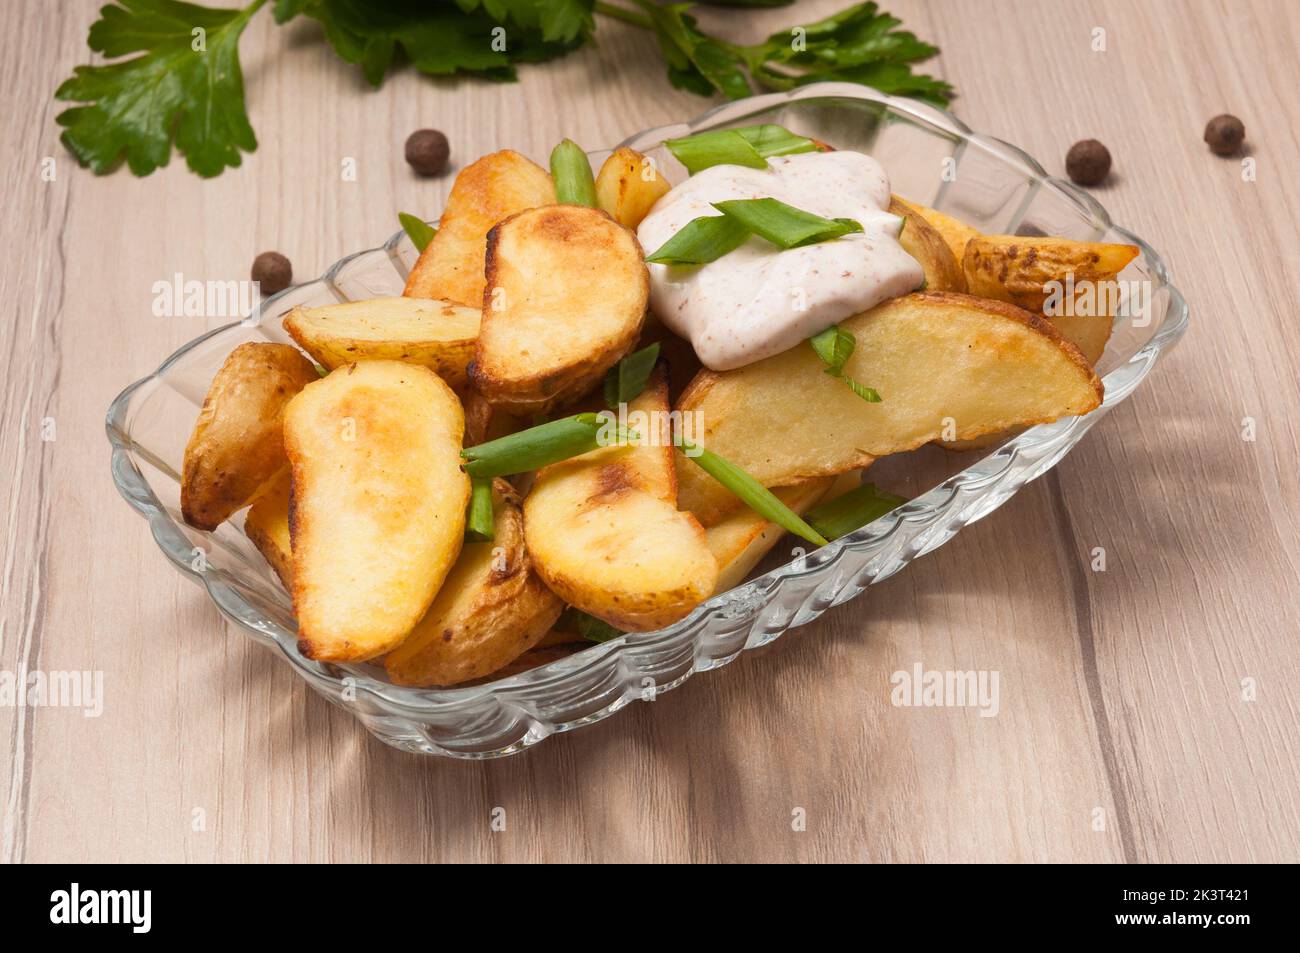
{"points": [[626, 380], [853, 510], [716, 147], [703, 240], [749, 147], [533, 448], [752, 493], [419, 231], [319, 369], [770, 139], [571, 173], [784, 225], [869, 394], [588, 626], [835, 346], [479, 521]]}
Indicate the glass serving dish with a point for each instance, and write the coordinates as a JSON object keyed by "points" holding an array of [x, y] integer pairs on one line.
{"points": [[931, 157]]}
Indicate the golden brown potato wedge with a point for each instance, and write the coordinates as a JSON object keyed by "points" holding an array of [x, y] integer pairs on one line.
{"points": [[439, 335], [936, 358], [565, 300], [923, 242], [267, 528], [485, 192], [954, 232], [1017, 269], [744, 537], [533, 658], [628, 185], [235, 451], [491, 609], [606, 536], [483, 422], [378, 505]]}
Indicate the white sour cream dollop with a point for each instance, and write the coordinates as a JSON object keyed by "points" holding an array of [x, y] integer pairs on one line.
{"points": [[758, 300]]}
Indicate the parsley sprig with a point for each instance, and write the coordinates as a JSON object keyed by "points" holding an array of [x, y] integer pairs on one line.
{"points": [[185, 88]]}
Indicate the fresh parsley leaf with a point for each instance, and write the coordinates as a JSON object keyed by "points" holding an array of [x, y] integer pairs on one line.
{"points": [[186, 88], [696, 62]]}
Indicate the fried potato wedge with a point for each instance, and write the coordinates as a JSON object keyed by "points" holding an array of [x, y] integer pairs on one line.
{"points": [[439, 335], [1018, 270], [743, 538], [606, 536], [491, 609], [235, 451], [934, 357], [954, 232], [628, 185], [267, 528], [923, 242], [485, 192], [378, 504], [566, 297]]}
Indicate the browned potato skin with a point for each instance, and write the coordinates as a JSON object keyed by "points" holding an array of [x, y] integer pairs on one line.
{"points": [[819, 429], [624, 191], [534, 658], [1015, 269], [923, 242], [267, 528], [592, 268], [954, 232], [606, 536], [376, 519], [492, 609], [495, 187], [439, 335], [236, 449]]}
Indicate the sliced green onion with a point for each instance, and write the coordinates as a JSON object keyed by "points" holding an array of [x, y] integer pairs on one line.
{"points": [[322, 371], [571, 173], [588, 626], [853, 510], [533, 448], [627, 379], [479, 521], [869, 394], [419, 231], [770, 139], [784, 225], [752, 493], [701, 241], [835, 346], [716, 147], [543, 445], [748, 147]]}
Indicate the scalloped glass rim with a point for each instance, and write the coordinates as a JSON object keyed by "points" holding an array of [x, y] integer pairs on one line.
{"points": [[510, 714]]}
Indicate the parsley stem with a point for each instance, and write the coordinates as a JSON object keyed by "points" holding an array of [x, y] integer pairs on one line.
{"points": [[627, 16]]}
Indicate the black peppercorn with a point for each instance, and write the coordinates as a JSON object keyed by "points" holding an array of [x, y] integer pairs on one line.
{"points": [[1225, 134], [272, 272], [427, 151], [1087, 162]]}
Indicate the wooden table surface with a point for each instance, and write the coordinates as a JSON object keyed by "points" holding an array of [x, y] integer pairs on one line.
{"points": [[1147, 712]]}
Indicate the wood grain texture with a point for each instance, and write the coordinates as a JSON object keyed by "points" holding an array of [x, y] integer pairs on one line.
{"points": [[1120, 690]]}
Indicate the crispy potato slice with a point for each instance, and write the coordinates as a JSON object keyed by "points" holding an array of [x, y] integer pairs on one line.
{"points": [[933, 356], [267, 528], [923, 242], [1017, 269], [533, 658], [954, 232], [607, 537], [485, 192], [235, 451], [566, 297], [743, 538], [483, 422], [439, 335], [628, 185], [378, 505], [491, 609]]}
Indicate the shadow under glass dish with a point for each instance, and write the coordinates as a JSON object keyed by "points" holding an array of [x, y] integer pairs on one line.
{"points": [[932, 158]]}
